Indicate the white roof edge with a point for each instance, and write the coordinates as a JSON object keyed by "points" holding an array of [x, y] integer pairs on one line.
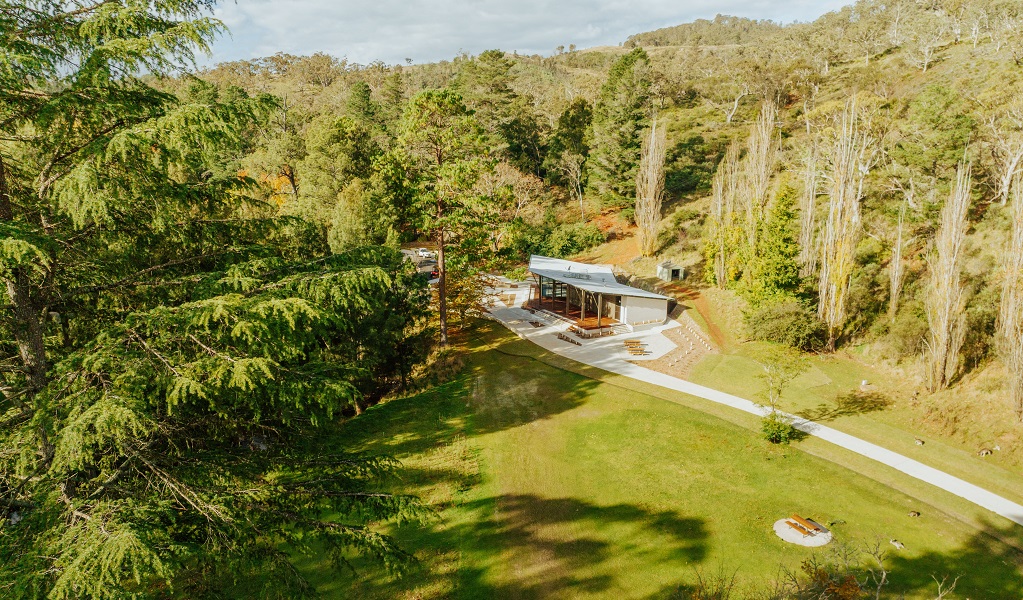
{"points": [[597, 279]]}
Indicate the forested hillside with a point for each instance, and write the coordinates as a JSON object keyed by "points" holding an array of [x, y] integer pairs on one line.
{"points": [[201, 267], [828, 149]]}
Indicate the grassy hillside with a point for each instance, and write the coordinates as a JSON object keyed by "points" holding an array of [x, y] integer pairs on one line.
{"points": [[550, 484]]}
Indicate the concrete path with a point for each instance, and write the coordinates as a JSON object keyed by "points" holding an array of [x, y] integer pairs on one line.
{"points": [[608, 354]]}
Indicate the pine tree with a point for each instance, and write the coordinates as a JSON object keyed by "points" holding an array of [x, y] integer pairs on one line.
{"points": [[773, 270], [442, 148], [619, 118], [180, 353]]}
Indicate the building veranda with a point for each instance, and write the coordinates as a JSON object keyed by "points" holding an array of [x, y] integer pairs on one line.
{"points": [[591, 297]]}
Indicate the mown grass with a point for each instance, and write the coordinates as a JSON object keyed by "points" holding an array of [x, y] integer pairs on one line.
{"points": [[824, 392], [552, 484]]}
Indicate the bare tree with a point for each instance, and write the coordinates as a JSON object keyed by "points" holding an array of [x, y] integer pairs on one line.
{"points": [[571, 166], [929, 34], [808, 228], [945, 300], [979, 21], [780, 364], [741, 91], [722, 213], [513, 193], [850, 157], [757, 167], [897, 16], [897, 267], [1010, 315], [944, 587], [878, 571], [1005, 131], [650, 188], [954, 12]]}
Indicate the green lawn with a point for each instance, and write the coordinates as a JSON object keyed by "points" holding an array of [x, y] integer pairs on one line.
{"points": [[552, 484], [816, 394]]}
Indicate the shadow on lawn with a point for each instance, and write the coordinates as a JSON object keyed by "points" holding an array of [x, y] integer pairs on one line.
{"points": [[989, 565], [497, 391], [852, 403], [533, 547]]}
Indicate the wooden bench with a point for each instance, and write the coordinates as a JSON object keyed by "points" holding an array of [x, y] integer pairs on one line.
{"points": [[798, 528], [809, 525]]}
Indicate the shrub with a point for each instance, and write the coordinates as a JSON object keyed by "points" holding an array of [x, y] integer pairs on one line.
{"points": [[907, 334], [566, 240], [787, 322], [517, 274], [556, 240], [778, 429]]}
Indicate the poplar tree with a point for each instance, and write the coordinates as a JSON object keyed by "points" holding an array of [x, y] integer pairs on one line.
{"points": [[945, 300], [171, 357]]}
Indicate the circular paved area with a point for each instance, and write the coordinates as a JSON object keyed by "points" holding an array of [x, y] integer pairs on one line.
{"points": [[792, 536]]}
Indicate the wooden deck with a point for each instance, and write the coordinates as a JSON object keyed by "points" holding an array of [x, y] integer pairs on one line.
{"points": [[558, 308]]}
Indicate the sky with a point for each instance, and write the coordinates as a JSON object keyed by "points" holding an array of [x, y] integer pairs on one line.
{"points": [[364, 31]]}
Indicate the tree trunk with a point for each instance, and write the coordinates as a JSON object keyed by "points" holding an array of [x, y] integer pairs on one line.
{"points": [[808, 229], [442, 277], [897, 268], [1010, 314], [6, 211], [28, 330]]}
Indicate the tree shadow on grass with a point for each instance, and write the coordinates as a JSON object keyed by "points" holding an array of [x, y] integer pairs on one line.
{"points": [[526, 546], [852, 403], [496, 391], [988, 565]]}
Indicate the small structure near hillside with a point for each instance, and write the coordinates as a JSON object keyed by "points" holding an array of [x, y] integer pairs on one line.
{"points": [[591, 297], [669, 271]]}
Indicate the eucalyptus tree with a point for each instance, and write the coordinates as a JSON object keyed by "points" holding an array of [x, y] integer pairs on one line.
{"points": [[168, 354]]}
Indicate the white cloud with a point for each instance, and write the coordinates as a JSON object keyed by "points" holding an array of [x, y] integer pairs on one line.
{"points": [[429, 30]]}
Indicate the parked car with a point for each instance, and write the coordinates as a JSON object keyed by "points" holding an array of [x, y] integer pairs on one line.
{"points": [[424, 253]]}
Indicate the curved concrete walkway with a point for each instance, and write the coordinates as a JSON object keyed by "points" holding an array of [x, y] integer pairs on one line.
{"points": [[605, 353]]}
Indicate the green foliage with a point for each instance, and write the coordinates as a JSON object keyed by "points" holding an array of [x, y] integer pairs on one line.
{"points": [[348, 227], [936, 130], [485, 83], [340, 151], [907, 334], [558, 240], [777, 428], [772, 273], [177, 348], [441, 148], [689, 165], [788, 322], [569, 138], [360, 105], [618, 120]]}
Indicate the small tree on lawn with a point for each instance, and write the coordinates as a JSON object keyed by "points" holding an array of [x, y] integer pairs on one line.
{"points": [[780, 365]]}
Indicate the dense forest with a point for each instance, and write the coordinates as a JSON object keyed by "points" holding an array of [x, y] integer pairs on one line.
{"points": [[201, 267]]}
